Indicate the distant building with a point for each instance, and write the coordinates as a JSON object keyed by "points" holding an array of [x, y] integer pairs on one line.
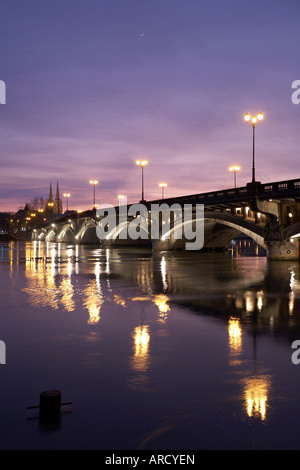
{"points": [[54, 207], [20, 221], [22, 213], [5, 225]]}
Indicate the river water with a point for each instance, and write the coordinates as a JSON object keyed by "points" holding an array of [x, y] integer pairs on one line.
{"points": [[155, 351]]}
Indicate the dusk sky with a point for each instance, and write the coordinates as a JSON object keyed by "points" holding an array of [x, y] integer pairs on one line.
{"points": [[93, 85]]}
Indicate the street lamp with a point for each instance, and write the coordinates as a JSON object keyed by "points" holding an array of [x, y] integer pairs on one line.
{"points": [[253, 120], [67, 195], [162, 186], [94, 182], [234, 168], [142, 163]]}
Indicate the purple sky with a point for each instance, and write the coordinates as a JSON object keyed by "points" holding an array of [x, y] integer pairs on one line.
{"points": [[92, 85]]}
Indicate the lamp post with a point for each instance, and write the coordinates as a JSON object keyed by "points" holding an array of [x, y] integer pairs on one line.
{"points": [[94, 182], [67, 195], [234, 168], [253, 120], [142, 163], [162, 186], [120, 197]]}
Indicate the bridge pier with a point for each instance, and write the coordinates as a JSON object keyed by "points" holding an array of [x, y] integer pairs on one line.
{"points": [[283, 250]]}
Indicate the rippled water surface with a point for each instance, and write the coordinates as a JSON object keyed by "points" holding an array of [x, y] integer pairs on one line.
{"points": [[154, 350]]}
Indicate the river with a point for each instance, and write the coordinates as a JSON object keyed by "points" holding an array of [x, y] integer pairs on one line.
{"points": [[155, 351]]}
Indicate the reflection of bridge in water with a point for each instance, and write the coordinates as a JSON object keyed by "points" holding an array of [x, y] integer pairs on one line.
{"points": [[218, 285], [91, 280], [267, 213]]}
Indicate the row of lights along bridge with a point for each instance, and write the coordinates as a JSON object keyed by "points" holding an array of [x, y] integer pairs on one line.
{"points": [[254, 120]]}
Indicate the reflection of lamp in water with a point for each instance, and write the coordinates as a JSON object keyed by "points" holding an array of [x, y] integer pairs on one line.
{"points": [[93, 301], [256, 395], [260, 300], [291, 303], [164, 273], [119, 300], [67, 291], [107, 260], [235, 335], [41, 287], [70, 265], [256, 389], [292, 293], [141, 339], [249, 302], [94, 313], [292, 280], [161, 302]]}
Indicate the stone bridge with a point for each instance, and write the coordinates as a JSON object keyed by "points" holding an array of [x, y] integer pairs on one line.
{"points": [[267, 213]]}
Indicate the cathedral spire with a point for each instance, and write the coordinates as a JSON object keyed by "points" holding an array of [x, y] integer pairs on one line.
{"points": [[50, 194], [54, 207], [58, 208], [57, 192]]}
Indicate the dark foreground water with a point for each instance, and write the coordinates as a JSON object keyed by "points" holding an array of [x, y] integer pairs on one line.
{"points": [[155, 351]]}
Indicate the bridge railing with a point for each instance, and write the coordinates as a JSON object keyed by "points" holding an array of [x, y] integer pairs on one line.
{"points": [[279, 189], [291, 187]]}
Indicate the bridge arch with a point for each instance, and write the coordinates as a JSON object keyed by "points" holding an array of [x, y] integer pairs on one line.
{"points": [[252, 230], [66, 234], [51, 236], [87, 233], [291, 231], [41, 235], [117, 231], [233, 226]]}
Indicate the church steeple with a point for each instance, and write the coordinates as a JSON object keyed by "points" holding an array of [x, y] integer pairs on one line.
{"points": [[57, 192], [50, 194], [54, 206], [58, 209]]}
